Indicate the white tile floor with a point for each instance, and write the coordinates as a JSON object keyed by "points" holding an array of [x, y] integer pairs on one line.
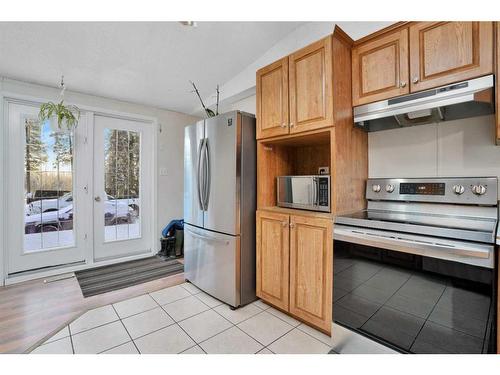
{"points": [[183, 319]]}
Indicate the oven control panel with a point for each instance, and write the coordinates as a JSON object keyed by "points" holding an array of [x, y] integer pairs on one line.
{"points": [[422, 188], [460, 190]]}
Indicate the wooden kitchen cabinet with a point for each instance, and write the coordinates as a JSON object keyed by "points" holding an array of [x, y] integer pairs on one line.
{"points": [[311, 257], [380, 68], [294, 264], [294, 94], [273, 258], [272, 99], [416, 56], [310, 83], [446, 52]]}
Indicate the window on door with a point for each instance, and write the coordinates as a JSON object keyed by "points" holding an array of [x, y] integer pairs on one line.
{"points": [[122, 213], [48, 187]]}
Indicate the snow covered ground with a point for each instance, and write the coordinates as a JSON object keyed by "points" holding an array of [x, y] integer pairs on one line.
{"points": [[65, 238]]}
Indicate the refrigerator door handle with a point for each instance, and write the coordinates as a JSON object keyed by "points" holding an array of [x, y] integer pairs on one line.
{"points": [[200, 178], [208, 175], [207, 238]]}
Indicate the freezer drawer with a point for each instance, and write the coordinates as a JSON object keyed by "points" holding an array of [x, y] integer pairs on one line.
{"points": [[211, 262]]}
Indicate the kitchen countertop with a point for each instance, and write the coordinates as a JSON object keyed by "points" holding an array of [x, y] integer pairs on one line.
{"points": [[292, 211]]}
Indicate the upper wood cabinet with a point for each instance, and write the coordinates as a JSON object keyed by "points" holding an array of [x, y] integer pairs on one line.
{"points": [[272, 99], [420, 56], [311, 102], [380, 68], [294, 94], [445, 52], [311, 263], [273, 258]]}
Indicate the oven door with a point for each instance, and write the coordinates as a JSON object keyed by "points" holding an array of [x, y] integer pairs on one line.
{"points": [[415, 297], [473, 253]]}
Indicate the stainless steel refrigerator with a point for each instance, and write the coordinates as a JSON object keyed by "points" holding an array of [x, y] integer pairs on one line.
{"points": [[219, 206]]}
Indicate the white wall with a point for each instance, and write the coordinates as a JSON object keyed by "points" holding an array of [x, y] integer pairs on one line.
{"points": [[243, 84], [461, 148], [170, 140], [448, 149], [246, 105]]}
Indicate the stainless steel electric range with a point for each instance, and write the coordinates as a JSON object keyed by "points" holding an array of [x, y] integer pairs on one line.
{"points": [[416, 269]]}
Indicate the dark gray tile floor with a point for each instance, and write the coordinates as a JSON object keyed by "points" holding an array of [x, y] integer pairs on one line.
{"points": [[418, 312]]}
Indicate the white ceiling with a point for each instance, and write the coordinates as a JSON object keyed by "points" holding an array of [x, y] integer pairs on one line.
{"points": [[148, 63], [141, 62]]}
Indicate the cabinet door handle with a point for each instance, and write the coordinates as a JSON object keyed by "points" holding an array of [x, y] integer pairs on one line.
{"points": [[402, 84], [283, 125], [285, 223], [415, 79], [292, 225], [292, 124]]}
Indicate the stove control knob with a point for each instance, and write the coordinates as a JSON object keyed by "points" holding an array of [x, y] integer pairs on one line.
{"points": [[376, 188], [479, 189], [458, 189], [389, 188]]}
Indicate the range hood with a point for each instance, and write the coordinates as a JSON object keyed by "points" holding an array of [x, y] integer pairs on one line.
{"points": [[459, 100]]}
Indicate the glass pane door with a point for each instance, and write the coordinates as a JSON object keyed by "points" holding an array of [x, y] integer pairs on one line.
{"points": [[48, 187], [122, 214], [46, 202], [123, 163]]}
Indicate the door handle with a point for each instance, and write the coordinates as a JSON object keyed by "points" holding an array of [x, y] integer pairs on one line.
{"points": [[208, 175], [315, 191], [207, 238], [200, 148], [97, 198]]}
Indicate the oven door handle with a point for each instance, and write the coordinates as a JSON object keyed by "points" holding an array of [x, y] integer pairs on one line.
{"points": [[427, 246]]}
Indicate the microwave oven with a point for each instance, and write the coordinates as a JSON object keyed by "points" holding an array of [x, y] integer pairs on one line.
{"points": [[304, 192]]}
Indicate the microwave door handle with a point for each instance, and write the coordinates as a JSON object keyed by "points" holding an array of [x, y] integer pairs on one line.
{"points": [[315, 191]]}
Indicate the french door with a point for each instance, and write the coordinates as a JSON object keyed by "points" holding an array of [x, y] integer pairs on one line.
{"points": [[46, 210], [78, 197], [122, 187]]}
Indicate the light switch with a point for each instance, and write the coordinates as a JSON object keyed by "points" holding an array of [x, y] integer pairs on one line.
{"points": [[163, 171]]}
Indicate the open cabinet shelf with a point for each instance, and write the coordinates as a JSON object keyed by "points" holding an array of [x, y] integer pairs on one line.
{"points": [[300, 155]]}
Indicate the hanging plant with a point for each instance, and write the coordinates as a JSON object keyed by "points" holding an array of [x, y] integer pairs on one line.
{"points": [[67, 116]]}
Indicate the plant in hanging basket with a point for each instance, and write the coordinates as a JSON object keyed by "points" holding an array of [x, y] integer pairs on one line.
{"points": [[66, 116]]}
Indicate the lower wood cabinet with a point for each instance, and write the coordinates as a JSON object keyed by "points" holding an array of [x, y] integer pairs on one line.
{"points": [[273, 258], [295, 265], [311, 251]]}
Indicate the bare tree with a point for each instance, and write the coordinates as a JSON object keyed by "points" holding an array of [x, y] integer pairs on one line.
{"points": [[35, 150]]}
